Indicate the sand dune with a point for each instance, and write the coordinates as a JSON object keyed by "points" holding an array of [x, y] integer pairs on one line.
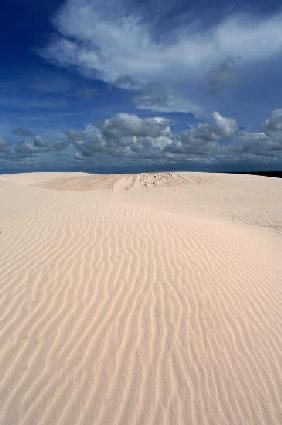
{"points": [[140, 299]]}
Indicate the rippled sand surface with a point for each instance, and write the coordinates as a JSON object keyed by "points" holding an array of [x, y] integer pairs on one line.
{"points": [[140, 299]]}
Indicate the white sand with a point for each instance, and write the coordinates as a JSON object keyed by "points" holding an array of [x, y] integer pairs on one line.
{"points": [[148, 299]]}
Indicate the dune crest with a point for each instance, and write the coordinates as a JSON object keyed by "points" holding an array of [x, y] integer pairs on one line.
{"points": [[140, 299]]}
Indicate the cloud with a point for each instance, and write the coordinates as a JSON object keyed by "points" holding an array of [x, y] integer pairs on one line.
{"points": [[107, 40], [127, 139], [266, 144], [40, 142], [151, 139], [221, 127], [204, 139], [123, 135], [256, 146], [31, 148], [273, 125], [128, 125], [24, 150], [222, 76], [153, 96], [127, 82]]}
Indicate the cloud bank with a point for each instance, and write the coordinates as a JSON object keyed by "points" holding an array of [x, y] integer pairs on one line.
{"points": [[31, 147], [151, 141], [126, 139]]}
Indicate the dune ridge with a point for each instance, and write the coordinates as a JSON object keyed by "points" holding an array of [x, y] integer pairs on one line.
{"points": [[140, 299]]}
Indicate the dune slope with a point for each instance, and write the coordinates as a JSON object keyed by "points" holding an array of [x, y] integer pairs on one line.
{"points": [[140, 299]]}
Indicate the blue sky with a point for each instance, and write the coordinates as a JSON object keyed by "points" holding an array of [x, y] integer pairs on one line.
{"points": [[128, 85]]}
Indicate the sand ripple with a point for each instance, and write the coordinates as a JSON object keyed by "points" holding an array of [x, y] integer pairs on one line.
{"points": [[118, 310]]}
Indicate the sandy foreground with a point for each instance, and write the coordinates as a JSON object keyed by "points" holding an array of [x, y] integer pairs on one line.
{"points": [[140, 299]]}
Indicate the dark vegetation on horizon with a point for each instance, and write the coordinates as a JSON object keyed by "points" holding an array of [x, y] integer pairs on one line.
{"points": [[260, 173]]}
